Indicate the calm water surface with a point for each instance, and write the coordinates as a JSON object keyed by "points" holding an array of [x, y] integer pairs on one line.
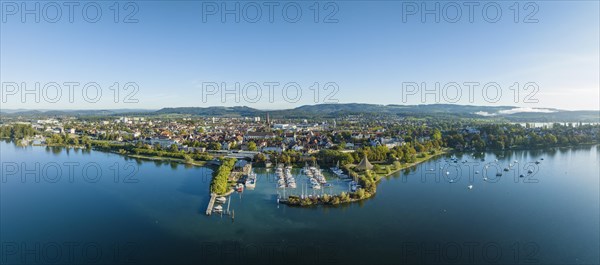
{"points": [[74, 206]]}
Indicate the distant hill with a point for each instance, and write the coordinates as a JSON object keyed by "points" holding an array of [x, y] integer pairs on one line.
{"points": [[507, 113], [398, 109], [432, 110], [212, 111], [22, 112]]}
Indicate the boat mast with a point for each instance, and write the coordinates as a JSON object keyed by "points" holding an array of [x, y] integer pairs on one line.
{"points": [[228, 203]]}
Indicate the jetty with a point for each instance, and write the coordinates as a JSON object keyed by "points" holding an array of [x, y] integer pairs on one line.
{"points": [[213, 198], [211, 203]]}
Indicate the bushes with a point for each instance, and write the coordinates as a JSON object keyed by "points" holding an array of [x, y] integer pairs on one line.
{"points": [[330, 157], [344, 197], [152, 152], [188, 159], [360, 193], [17, 131], [335, 200], [218, 184], [328, 199]]}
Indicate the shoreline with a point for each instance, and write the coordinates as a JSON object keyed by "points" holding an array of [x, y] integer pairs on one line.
{"points": [[166, 159], [350, 197]]}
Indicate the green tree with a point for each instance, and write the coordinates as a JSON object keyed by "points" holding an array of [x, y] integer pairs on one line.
{"points": [[214, 146], [173, 148], [251, 146]]}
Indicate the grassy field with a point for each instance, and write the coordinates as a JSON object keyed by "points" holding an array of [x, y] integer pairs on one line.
{"points": [[382, 170]]}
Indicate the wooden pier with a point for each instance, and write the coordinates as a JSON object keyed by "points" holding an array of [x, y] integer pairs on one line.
{"points": [[213, 198], [211, 203]]}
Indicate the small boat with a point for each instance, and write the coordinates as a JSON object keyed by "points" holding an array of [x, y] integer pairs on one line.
{"points": [[218, 209], [251, 183], [239, 187], [485, 179], [530, 171], [476, 172], [221, 200], [498, 174], [506, 169], [521, 176], [451, 181], [470, 187], [337, 170], [537, 162], [251, 180], [542, 158], [315, 184], [353, 186]]}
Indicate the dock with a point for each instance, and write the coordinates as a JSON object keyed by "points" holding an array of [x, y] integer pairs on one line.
{"points": [[211, 203], [213, 198]]}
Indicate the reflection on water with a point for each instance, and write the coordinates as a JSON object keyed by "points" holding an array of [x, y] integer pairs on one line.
{"points": [[417, 216]]}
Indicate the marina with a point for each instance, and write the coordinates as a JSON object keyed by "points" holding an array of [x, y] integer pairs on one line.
{"points": [[314, 182]]}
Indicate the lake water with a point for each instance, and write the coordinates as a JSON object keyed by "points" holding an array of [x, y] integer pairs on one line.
{"points": [[73, 206]]}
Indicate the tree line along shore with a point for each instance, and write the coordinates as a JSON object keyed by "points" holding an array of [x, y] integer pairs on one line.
{"points": [[386, 161]]}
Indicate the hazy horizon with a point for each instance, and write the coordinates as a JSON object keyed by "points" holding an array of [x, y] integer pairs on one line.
{"points": [[532, 109]]}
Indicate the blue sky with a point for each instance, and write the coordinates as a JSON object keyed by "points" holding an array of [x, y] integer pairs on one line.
{"points": [[368, 54]]}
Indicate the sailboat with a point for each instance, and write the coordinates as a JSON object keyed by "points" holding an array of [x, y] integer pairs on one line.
{"points": [[336, 170]]}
